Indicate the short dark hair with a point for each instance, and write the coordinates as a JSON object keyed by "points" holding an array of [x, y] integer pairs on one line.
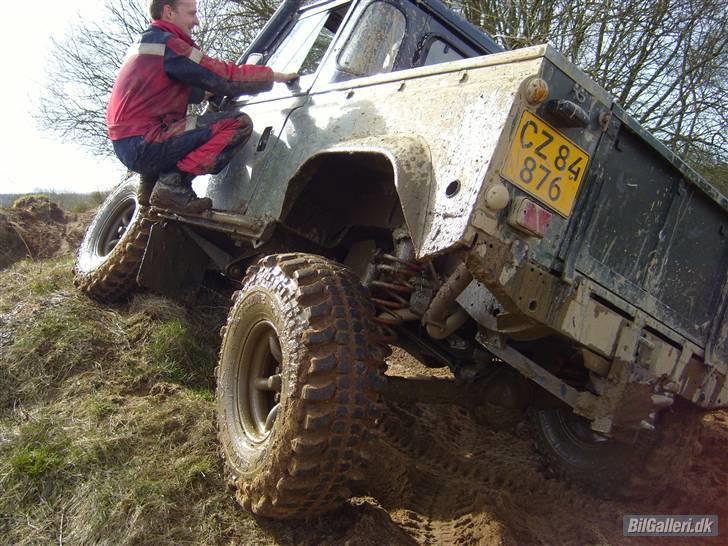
{"points": [[156, 7]]}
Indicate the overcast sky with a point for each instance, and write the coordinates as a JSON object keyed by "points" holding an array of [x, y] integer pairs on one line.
{"points": [[29, 159]]}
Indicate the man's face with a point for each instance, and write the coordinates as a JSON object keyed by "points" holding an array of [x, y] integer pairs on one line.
{"points": [[183, 15]]}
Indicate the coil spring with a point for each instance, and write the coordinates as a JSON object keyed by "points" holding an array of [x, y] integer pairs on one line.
{"points": [[392, 288]]}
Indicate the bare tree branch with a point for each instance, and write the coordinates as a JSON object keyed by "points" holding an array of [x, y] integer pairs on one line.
{"points": [[664, 60]]}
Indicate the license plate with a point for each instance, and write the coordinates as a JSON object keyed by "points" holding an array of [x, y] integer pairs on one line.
{"points": [[545, 164]]}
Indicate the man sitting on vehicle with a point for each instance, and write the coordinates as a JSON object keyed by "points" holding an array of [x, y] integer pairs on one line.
{"points": [[162, 74]]}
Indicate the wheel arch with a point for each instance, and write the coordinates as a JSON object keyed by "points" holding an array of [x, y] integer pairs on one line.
{"points": [[366, 182]]}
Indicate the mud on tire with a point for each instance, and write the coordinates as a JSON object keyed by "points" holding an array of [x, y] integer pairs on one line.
{"points": [[615, 470], [108, 259], [296, 385]]}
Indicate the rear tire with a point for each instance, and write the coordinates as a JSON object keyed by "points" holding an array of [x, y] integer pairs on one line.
{"points": [[108, 259], [613, 469], [299, 366]]}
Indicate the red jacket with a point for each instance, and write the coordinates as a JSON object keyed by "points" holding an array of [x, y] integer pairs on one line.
{"points": [[163, 72]]}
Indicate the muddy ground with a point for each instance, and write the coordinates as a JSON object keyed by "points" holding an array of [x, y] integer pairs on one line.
{"points": [[438, 475], [37, 228]]}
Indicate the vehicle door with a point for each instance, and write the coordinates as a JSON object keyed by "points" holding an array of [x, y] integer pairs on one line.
{"points": [[255, 170]]}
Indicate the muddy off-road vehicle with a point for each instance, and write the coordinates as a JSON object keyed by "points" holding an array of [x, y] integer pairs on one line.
{"points": [[493, 212]]}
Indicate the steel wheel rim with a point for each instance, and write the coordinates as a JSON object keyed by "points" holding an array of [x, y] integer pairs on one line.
{"points": [[259, 382], [115, 227]]}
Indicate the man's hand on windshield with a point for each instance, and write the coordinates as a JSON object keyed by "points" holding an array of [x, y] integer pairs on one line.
{"points": [[286, 77]]}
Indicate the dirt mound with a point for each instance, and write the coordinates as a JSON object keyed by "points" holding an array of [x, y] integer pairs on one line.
{"points": [[35, 227], [41, 207], [444, 479]]}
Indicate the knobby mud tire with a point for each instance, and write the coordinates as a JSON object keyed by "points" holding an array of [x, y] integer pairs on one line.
{"points": [[331, 362], [617, 470], [111, 276]]}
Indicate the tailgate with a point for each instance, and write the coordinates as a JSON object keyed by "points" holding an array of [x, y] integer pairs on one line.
{"points": [[625, 211]]}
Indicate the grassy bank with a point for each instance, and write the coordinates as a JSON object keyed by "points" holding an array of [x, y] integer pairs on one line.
{"points": [[107, 431]]}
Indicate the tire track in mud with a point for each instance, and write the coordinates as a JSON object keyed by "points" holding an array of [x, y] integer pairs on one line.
{"points": [[435, 475], [447, 480]]}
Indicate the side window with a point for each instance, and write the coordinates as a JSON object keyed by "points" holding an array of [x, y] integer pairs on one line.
{"points": [[316, 53], [305, 45], [441, 52], [374, 43]]}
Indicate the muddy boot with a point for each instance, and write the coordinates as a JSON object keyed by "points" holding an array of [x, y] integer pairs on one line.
{"points": [[144, 190], [174, 193]]}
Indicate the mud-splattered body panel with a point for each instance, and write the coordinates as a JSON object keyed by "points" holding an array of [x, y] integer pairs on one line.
{"points": [[590, 232]]}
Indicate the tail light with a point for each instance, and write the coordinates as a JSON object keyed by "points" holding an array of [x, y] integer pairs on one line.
{"points": [[528, 216]]}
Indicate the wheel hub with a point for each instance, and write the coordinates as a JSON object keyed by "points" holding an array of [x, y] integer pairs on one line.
{"points": [[259, 382], [115, 228]]}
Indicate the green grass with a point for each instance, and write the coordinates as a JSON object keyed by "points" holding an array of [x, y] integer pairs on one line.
{"points": [[43, 287], [35, 461], [65, 337], [28, 198], [182, 355], [107, 425], [149, 472]]}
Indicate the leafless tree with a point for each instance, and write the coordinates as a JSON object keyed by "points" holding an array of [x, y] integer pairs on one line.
{"points": [[84, 63]]}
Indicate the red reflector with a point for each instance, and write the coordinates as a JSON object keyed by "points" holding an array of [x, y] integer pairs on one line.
{"points": [[532, 217]]}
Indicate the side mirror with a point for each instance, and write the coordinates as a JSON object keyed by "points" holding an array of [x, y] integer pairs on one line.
{"points": [[254, 58]]}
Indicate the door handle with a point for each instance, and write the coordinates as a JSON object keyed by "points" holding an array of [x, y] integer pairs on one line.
{"points": [[263, 142]]}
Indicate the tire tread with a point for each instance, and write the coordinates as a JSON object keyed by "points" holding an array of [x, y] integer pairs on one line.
{"points": [[332, 402]]}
